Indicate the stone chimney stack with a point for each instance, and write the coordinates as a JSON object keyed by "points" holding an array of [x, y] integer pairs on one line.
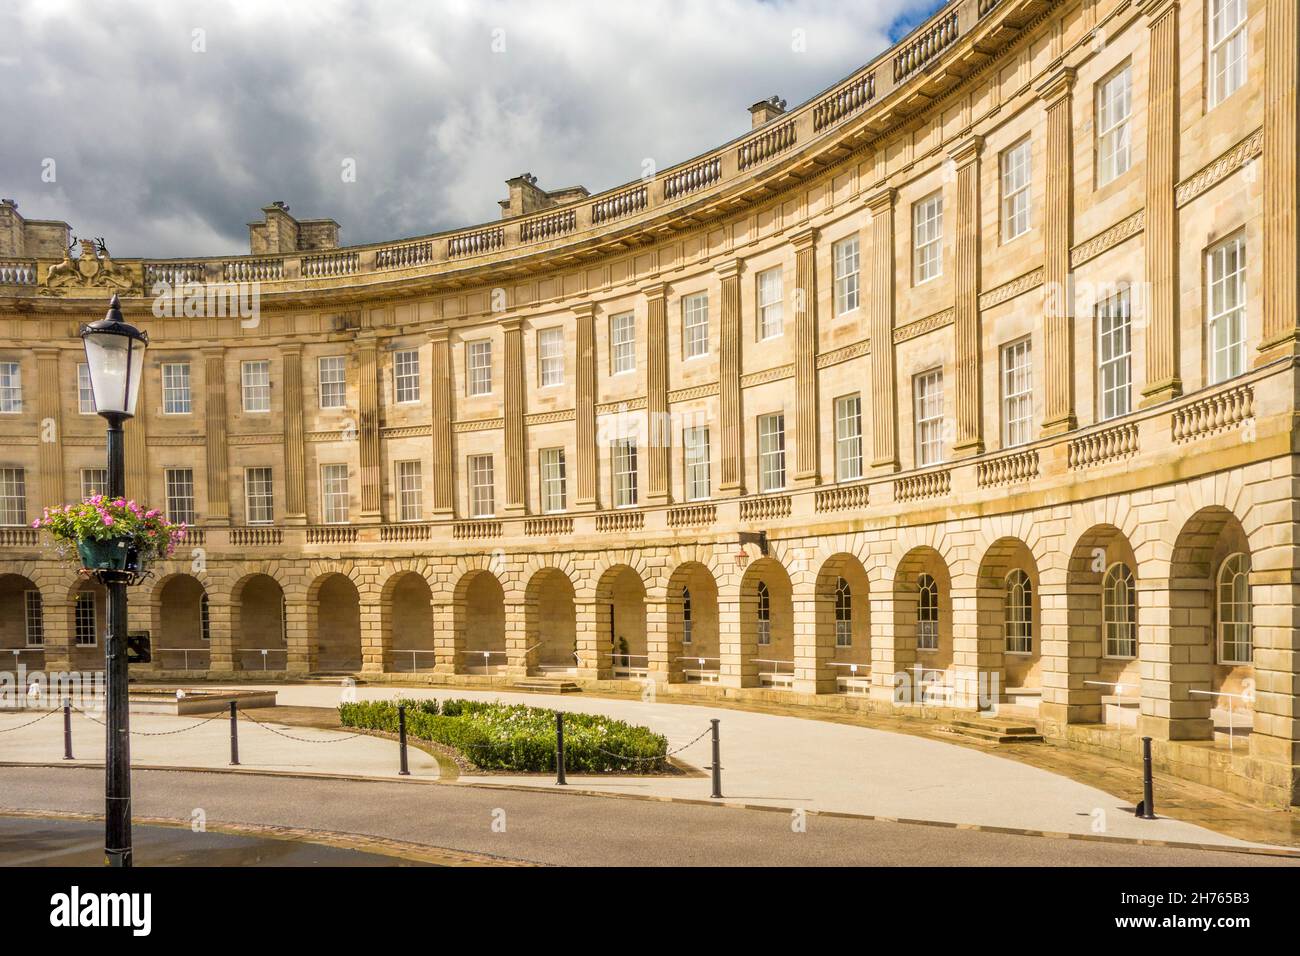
{"points": [[526, 196], [280, 233], [765, 111]]}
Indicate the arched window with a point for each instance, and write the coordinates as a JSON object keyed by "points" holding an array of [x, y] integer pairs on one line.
{"points": [[205, 622], [1119, 612], [686, 615], [1234, 610], [843, 614], [1018, 614], [764, 614], [927, 613]]}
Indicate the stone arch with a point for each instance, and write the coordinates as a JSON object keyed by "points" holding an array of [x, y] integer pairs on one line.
{"points": [[923, 631], [479, 622], [693, 623], [1008, 607], [22, 623], [406, 622], [1102, 685], [621, 619], [257, 621], [1207, 539], [177, 612], [766, 624], [842, 624], [334, 618], [551, 621]]}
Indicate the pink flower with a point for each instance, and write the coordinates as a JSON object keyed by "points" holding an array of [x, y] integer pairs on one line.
{"points": [[36, 523], [108, 520]]}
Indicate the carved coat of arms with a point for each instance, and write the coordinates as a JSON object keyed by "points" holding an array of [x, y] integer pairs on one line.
{"points": [[93, 269]]}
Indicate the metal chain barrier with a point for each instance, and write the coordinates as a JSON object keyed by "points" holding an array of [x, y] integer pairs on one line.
{"points": [[48, 713], [151, 733], [666, 755], [301, 740]]}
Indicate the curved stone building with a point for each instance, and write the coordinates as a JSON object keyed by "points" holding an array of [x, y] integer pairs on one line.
{"points": [[969, 382]]}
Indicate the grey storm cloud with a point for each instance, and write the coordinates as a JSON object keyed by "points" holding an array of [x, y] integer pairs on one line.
{"points": [[171, 124]]}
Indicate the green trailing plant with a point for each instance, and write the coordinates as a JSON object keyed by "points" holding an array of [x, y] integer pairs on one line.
{"points": [[99, 518], [496, 736]]}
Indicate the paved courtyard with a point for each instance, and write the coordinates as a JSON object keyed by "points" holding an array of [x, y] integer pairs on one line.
{"points": [[768, 760]]}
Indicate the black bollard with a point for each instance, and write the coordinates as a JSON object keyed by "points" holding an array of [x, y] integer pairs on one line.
{"points": [[234, 735], [1147, 808], [67, 729], [717, 763], [559, 749], [401, 740]]}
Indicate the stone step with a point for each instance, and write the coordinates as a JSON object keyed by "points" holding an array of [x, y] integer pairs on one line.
{"points": [[550, 685], [1002, 726], [995, 732]]}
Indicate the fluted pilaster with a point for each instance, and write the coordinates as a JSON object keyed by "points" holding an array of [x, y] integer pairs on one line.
{"points": [[884, 388], [372, 472], [214, 410], [51, 427], [516, 438], [295, 469], [1281, 190], [443, 452], [658, 431], [966, 311], [1058, 232], [585, 407], [806, 434], [731, 460]]}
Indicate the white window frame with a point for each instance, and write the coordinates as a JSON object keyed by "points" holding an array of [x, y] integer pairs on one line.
{"points": [[1114, 111], [1225, 301], [1233, 610], [1016, 164], [695, 463], [177, 399], [334, 493], [1018, 614], [848, 437], [94, 481], [33, 618], [552, 466], [13, 496], [408, 477], [771, 452], [927, 404], [927, 613], [255, 386], [1119, 633], [85, 391], [695, 325], [622, 343], [178, 484], [332, 381], [763, 614], [843, 613], [1228, 61], [406, 376], [769, 293], [1017, 367], [927, 238], [1114, 320], [550, 357], [623, 472], [259, 494], [11, 388], [482, 486], [83, 619], [478, 367], [846, 269]]}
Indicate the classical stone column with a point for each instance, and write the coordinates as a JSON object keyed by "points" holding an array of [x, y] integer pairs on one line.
{"points": [[1281, 330], [813, 646], [1174, 661], [592, 644], [587, 498], [1161, 239], [372, 471], [731, 454], [136, 439], [516, 435], [48, 408], [884, 388], [443, 446], [373, 651], [221, 636], [1058, 231], [214, 435], [968, 663], [889, 654], [659, 429], [732, 662], [806, 434], [966, 309], [300, 642], [295, 480], [448, 640], [656, 640]]}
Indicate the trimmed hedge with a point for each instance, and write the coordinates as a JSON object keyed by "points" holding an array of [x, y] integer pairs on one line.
{"points": [[497, 736]]}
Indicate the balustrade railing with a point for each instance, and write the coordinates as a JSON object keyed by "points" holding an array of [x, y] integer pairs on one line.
{"points": [[765, 508], [17, 272], [330, 264], [766, 145], [173, 273], [1007, 469], [692, 516], [928, 484], [1110, 444], [404, 255], [405, 532], [847, 100], [326, 534], [620, 521], [476, 243], [548, 526], [694, 177], [1212, 414], [253, 270], [470, 530], [256, 537], [548, 226], [841, 497], [618, 205], [927, 45]]}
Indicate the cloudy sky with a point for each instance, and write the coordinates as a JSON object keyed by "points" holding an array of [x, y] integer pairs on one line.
{"points": [[171, 123]]}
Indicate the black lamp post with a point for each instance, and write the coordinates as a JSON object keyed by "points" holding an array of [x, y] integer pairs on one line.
{"points": [[115, 353]]}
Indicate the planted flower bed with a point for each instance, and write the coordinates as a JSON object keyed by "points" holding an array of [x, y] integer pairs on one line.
{"points": [[495, 736]]}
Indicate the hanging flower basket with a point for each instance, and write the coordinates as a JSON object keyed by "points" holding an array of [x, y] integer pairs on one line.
{"points": [[103, 534], [115, 554]]}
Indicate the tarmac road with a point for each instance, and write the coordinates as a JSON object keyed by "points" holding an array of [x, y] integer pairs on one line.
{"points": [[572, 829]]}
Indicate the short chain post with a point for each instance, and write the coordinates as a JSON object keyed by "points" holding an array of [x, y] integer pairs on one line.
{"points": [[1148, 807], [717, 763], [67, 728], [559, 749], [234, 735], [404, 771]]}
